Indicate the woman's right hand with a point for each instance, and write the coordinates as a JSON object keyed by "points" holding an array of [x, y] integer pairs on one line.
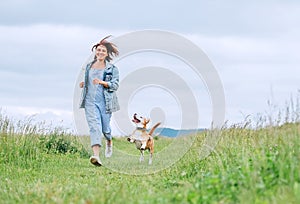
{"points": [[81, 84]]}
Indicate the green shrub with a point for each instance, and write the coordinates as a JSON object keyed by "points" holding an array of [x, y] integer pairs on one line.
{"points": [[62, 144]]}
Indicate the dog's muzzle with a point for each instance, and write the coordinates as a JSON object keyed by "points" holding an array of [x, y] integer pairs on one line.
{"points": [[130, 140]]}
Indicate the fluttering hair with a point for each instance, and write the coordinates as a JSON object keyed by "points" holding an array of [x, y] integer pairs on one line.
{"points": [[112, 50]]}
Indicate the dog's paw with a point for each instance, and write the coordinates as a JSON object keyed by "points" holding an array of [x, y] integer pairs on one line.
{"points": [[141, 159]]}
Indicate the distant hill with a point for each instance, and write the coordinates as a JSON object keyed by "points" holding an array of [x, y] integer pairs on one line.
{"points": [[169, 132]]}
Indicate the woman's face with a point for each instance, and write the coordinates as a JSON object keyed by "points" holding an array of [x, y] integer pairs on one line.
{"points": [[101, 52]]}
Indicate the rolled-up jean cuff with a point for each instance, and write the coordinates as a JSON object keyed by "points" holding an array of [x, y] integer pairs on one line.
{"points": [[107, 136]]}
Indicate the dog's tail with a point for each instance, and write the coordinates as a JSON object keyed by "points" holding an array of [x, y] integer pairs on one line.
{"points": [[153, 128]]}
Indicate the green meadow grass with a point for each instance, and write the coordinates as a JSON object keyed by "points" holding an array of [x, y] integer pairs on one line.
{"points": [[248, 165]]}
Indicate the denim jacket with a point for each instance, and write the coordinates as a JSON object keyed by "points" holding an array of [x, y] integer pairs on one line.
{"points": [[111, 76]]}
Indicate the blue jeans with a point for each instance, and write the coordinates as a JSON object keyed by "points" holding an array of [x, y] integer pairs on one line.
{"points": [[98, 121]]}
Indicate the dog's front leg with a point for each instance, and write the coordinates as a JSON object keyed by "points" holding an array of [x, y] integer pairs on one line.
{"points": [[144, 144], [142, 156], [150, 159]]}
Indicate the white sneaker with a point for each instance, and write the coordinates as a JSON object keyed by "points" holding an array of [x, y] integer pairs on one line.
{"points": [[95, 160], [108, 149]]}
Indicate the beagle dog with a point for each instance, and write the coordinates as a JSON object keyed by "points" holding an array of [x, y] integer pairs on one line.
{"points": [[143, 140]]}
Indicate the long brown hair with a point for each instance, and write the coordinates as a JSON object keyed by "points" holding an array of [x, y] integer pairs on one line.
{"points": [[112, 50]]}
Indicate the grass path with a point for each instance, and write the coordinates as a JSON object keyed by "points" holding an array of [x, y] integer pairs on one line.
{"points": [[247, 166]]}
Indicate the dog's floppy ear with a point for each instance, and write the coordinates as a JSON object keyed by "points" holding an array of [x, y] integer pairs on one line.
{"points": [[145, 122]]}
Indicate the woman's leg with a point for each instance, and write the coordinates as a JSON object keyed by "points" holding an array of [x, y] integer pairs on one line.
{"points": [[94, 121], [106, 130], [96, 150]]}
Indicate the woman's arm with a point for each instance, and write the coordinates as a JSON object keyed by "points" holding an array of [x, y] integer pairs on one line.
{"points": [[113, 84]]}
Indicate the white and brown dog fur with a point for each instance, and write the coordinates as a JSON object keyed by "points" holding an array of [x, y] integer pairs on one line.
{"points": [[142, 139]]}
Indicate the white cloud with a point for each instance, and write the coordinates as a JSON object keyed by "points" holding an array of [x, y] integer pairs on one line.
{"points": [[254, 70], [49, 116], [253, 18], [247, 66]]}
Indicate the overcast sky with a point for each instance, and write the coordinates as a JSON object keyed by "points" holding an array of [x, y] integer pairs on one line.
{"points": [[254, 46]]}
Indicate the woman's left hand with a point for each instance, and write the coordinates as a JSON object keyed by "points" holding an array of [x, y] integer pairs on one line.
{"points": [[98, 81]]}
